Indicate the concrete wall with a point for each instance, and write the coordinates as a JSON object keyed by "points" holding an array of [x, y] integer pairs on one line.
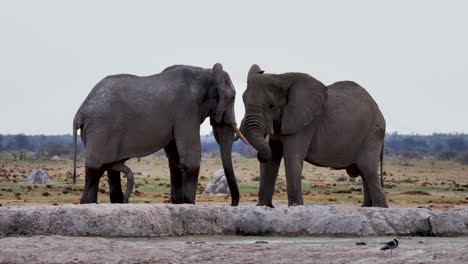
{"points": [[110, 220]]}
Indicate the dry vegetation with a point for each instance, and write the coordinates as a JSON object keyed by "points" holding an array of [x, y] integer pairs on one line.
{"points": [[424, 183]]}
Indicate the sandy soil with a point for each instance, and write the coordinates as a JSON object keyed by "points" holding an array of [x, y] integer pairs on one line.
{"points": [[446, 183], [228, 249]]}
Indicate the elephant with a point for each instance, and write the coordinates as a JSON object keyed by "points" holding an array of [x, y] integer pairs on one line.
{"points": [[127, 116], [293, 116]]}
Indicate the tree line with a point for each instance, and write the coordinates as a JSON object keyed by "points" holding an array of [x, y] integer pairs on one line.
{"points": [[437, 144]]}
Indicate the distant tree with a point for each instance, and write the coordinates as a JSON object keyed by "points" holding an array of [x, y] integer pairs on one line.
{"points": [[209, 146], [18, 155], [247, 151], [447, 155], [456, 144], [22, 141], [462, 158], [437, 147], [159, 153], [411, 155], [55, 150], [1, 142]]}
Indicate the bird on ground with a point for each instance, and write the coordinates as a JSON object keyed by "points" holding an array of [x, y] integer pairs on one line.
{"points": [[390, 245]]}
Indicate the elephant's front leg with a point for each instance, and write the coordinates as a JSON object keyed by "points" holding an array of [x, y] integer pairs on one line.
{"points": [[189, 148], [294, 151], [176, 173], [268, 175]]}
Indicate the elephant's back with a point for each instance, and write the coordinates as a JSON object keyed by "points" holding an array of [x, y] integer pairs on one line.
{"points": [[123, 117], [350, 97]]}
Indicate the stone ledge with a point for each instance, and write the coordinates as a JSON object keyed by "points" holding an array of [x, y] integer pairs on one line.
{"points": [[135, 220]]}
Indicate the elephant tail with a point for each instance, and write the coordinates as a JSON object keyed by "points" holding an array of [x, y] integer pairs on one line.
{"points": [[77, 123], [381, 166]]}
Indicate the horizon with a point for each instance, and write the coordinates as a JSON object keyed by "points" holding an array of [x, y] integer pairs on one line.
{"points": [[210, 134]]}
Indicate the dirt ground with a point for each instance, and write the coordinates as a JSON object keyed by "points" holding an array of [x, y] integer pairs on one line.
{"points": [[440, 184], [227, 249]]}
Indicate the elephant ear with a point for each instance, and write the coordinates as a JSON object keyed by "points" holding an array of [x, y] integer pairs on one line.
{"points": [[218, 76], [255, 69], [306, 101]]}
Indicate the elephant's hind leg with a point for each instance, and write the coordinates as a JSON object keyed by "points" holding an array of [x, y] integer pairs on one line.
{"points": [[374, 194], [353, 171], [120, 167], [91, 185], [176, 173], [115, 186]]}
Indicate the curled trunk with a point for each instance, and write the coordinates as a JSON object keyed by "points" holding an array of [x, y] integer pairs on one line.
{"points": [[254, 129]]}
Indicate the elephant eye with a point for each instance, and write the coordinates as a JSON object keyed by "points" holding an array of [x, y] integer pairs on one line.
{"points": [[270, 106]]}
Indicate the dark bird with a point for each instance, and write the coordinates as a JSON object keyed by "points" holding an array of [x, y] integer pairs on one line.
{"points": [[391, 245]]}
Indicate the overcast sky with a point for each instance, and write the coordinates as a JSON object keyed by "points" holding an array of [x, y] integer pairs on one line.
{"points": [[412, 56]]}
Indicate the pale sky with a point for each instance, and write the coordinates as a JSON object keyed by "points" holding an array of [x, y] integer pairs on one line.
{"points": [[412, 56]]}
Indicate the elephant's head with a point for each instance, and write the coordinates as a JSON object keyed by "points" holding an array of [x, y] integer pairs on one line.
{"points": [[279, 104], [223, 121]]}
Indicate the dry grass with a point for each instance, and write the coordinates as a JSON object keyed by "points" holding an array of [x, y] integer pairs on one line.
{"points": [[446, 181]]}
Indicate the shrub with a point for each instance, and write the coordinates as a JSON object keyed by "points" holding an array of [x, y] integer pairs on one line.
{"points": [[462, 158], [408, 180], [256, 178], [340, 179], [447, 155], [411, 155]]}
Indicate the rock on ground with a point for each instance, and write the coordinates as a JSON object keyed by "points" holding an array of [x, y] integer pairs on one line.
{"points": [[55, 158], [218, 184], [38, 176], [225, 249], [136, 220]]}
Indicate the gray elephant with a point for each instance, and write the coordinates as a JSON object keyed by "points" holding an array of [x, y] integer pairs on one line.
{"points": [[295, 117], [128, 116]]}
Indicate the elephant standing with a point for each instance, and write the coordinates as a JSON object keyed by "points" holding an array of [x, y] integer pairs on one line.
{"points": [[295, 117], [128, 116]]}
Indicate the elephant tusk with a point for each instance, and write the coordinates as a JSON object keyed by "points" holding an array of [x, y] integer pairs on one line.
{"points": [[239, 134]]}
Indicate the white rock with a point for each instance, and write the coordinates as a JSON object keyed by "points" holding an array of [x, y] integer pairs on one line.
{"points": [[55, 158], [218, 185]]}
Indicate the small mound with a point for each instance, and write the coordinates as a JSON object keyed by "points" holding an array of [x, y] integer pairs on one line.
{"points": [[38, 176], [417, 192]]}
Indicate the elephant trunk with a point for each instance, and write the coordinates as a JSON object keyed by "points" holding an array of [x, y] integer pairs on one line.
{"points": [[254, 129], [224, 134]]}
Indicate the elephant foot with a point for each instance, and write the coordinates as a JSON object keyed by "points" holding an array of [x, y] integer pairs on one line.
{"points": [[374, 205], [266, 204], [87, 202], [295, 204], [117, 198]]}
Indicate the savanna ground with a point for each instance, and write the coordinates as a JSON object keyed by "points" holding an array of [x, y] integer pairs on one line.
{"points": [[438, 184]]}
